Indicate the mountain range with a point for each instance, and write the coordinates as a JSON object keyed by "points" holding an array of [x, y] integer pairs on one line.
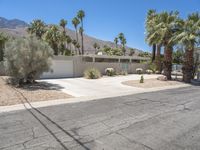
{"points": [[18, 28]]}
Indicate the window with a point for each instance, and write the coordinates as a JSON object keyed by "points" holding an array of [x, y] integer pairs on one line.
{"points": [[124, 60], [87, 59], [111, 60]]}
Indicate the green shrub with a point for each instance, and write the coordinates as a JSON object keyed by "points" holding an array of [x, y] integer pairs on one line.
{"points": [[153, 67], [139, 70], [92, 73], [27, 59], [124, 73], [149, 71], [110, 72], [141, 79]]}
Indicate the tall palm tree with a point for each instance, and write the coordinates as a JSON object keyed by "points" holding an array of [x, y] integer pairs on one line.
{"points": [[63, 36], [37, 27], [164, 28], [3, 39], [63, 24], [189, 37], [123, 42], [168, 27], [81, 15], [151, 21], [81, 33], [116, 40], [76, 22]]}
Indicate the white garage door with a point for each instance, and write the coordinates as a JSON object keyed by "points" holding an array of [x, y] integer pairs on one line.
{"points": [[60, 69]]}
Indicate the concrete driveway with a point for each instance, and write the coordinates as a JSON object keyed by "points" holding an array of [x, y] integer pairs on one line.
{"points": [[100, 87], [164, 120]]}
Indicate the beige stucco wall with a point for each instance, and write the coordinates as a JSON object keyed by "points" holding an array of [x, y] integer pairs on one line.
{"points": [[80, 66]]}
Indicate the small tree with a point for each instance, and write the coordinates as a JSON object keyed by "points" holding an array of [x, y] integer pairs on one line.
{"points": [[3, 39], [27, 59]]}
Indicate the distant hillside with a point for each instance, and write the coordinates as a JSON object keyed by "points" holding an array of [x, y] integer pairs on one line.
{"points": [[17, 28], [12, 24]]}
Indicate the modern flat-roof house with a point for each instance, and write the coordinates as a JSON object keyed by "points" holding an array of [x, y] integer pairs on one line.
{"points": [[74, 66]]}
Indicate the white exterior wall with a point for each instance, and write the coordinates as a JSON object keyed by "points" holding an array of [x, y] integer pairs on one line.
{"points": [[60, 69]]}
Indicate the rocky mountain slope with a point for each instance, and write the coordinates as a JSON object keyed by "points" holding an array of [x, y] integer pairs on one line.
{"points": [[17, 28]]}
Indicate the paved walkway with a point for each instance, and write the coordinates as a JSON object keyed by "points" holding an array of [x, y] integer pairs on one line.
{"points": [[104, 86], [149, 121]]}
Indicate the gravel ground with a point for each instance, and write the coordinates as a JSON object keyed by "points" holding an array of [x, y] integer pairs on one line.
{"points": [[40, 91], [151, 83]]}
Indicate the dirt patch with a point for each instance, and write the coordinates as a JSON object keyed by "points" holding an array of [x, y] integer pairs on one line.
{"points": [[40, 91], [151, 83]]}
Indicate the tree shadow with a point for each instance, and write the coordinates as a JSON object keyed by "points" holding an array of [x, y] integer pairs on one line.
{"points": [[30, 110], [41, 86]]}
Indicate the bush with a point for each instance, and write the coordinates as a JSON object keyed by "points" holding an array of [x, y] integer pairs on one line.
{"points": [[153, 67], [158, 72], [142, 79], [92, 73], [124, 73], [110, 72], [149, 71], [139, 70], [27, 59]]}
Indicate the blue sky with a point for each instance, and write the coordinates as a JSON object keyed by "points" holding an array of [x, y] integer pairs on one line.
{"points": [[104, 18]]}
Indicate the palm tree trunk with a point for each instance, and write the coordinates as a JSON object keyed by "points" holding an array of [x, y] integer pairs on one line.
{"points": [[82, 35], [168, 61], [77, 41], [158, 58], [153, 52], [188, 65], [82, 45]]}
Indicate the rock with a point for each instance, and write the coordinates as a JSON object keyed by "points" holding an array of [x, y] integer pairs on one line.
{"points": [[162, 78]]}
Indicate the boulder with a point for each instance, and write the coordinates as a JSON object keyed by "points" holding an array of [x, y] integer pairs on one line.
{"points": [[162, 78]]}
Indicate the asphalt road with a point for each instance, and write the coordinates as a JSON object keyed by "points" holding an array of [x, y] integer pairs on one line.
{"points": [[164, 120]]}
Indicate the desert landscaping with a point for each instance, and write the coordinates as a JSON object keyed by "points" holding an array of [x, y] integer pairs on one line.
{"points": [[37, 92], [99, 75]]}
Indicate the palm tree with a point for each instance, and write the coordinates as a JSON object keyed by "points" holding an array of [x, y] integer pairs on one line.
{"points": [[81, 33], [63, 24], [76, 22], [69, 42], [63, 36], [74, 42], [165, 25], [96, 47], [116, 42], [151, 21], [81, 15], [123, 42], [53, 37], [3, 39], [37, 27], [189, 37], [167, 28], [158, 58]]}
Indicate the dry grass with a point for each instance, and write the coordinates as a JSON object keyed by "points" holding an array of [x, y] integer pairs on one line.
{"points": [[151, 83], [37, 92]]}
